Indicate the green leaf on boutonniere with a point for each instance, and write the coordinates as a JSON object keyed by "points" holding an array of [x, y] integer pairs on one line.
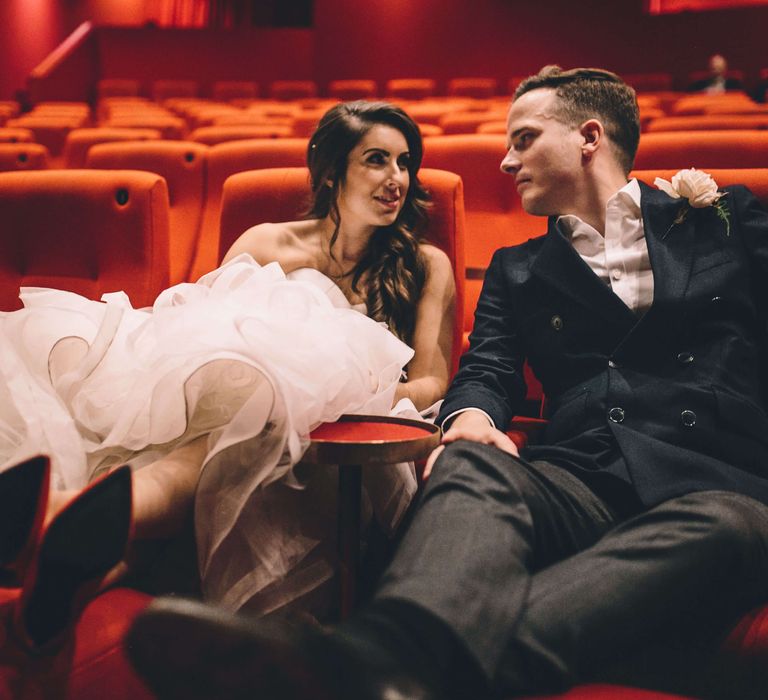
{"points": [[722, 213]]}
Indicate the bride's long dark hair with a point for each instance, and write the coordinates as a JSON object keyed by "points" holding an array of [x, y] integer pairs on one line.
{"points": [[394, 268]]}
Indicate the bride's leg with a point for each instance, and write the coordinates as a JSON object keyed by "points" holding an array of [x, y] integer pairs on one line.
{"points": [[163, 492]]}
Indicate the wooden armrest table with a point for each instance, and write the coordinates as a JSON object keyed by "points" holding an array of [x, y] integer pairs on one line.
{"points": [[354, 442]]}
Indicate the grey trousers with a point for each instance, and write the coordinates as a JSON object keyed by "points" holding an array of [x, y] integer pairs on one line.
{"points": [[545, 586]]}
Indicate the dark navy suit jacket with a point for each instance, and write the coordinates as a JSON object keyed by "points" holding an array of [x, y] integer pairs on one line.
{"points": [[660, 405]]}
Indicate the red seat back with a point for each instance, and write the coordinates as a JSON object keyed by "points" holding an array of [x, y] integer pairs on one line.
{"points": [[281, 194], [183, 165], [23, 156], [86, 231], [703, 149], [227, 159]]}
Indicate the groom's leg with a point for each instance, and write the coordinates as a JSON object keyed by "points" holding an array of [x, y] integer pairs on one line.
{"points": [[485, 522], [676, 576]]}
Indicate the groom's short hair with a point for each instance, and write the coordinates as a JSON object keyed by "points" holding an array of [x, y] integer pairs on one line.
{"points": [[587, 93]]}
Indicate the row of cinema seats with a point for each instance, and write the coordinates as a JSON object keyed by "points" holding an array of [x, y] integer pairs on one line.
{"points": [[178, 117], [52, 232], [195, 175], [355, 89], [63, 127]]}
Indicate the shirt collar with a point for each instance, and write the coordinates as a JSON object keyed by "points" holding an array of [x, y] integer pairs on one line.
{"points": [[626, 200]]}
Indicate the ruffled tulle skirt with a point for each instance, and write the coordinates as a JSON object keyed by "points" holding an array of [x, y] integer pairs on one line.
{"points": [[248, 357]]}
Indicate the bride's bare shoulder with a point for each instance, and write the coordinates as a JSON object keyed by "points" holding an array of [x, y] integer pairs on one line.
{"points": [[282, 242]]}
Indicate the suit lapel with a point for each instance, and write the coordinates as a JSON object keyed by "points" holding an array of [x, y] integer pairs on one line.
{"points": [[558, 264], [670, 251], [670, 244]]}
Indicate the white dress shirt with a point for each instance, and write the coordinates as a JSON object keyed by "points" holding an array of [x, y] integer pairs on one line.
{"points": [[619, 258]]}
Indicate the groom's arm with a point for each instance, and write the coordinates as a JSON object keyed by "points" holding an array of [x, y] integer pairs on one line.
{"points": [[490, 376], [489, 386]]}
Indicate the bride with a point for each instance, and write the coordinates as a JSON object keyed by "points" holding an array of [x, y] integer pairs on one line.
{"points": [[211, 393]]}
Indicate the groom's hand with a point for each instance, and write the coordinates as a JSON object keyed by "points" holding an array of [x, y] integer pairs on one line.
{"points": [[474, 426]]}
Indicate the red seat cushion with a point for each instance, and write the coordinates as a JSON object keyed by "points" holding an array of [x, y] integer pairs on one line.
{"points": [[91, 665]]}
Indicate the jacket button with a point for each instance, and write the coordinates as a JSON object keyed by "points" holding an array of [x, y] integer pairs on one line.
{"points": [[556, 322], [716, 300], [612, 364], [688, 418], [685, 358], [616, 414]]}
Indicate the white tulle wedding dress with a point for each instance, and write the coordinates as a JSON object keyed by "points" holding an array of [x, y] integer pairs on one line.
{"points": [[248, 356]]}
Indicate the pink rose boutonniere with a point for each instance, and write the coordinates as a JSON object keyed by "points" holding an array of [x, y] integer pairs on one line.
{"points": [[699, 191]]}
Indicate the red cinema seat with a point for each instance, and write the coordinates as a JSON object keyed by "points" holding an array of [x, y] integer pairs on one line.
{"points": [[703, 149], [410, 88], [468, 122], [709, 122], [305, 123], [183, 165], [8, 109], [169, 126], [494, 127], [79, 141], [430, 130], [85, 231], [292, 89], [23, 156], [226, 90], [221, 133], [479, 88], [166, 89], [494, 214], [227, 159], [117, 87], [16, 135], [280, 194], [352, 89], [699, 104], [51, 131], [91, 664]]}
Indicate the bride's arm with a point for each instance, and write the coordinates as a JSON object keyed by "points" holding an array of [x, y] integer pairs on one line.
{"points": [[430, 368]]}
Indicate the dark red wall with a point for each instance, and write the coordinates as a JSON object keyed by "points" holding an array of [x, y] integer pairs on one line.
{"points": [[383, 39], [29, 30], [150, 54], [447, 38]]}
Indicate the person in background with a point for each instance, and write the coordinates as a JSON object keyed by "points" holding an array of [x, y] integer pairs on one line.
{"points": [[717, 82]]}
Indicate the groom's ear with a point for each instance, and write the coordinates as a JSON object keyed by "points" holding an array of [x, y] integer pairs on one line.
{"points": [[592, 132]]}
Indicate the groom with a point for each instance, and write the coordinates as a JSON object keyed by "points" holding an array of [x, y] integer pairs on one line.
{"points": [[641, 518]]}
